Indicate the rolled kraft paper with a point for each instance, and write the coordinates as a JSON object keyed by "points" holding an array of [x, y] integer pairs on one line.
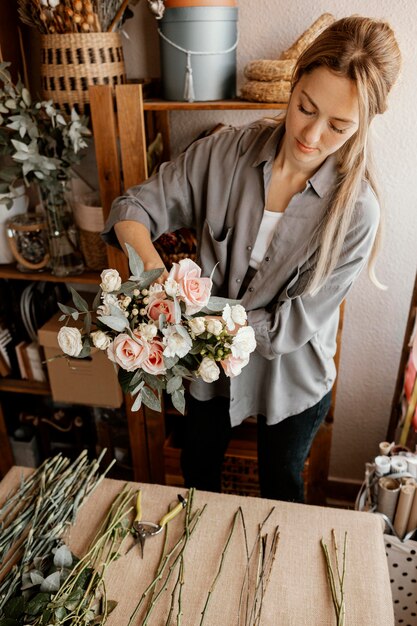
{"points": [[388, 492], [382, 465], [407, 480], [385, 447], [402, 514], [412, 520], [398, 464], [412, 465]]}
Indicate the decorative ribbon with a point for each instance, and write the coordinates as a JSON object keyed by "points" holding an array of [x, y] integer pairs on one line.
{"points": [[189, 94]]}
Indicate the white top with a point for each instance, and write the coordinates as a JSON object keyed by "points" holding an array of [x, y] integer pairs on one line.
{"points": [[266, 231]]}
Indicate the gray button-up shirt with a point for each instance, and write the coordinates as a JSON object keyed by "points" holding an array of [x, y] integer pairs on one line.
{"points": [[219, 186]]}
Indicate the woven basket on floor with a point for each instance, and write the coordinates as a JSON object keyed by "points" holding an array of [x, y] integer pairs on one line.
{"points": [[73, 61]]}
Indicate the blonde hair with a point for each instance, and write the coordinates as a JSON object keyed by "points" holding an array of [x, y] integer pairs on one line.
{"points": [[365, 51]]}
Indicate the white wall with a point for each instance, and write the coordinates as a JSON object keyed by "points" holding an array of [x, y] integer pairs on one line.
{"points": [[375, 320]]}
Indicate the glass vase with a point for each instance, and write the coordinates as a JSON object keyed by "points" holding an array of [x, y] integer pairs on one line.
{"points": [[64, 247]]}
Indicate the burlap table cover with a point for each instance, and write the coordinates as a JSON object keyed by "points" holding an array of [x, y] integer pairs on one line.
{"points": [[297, 594]]}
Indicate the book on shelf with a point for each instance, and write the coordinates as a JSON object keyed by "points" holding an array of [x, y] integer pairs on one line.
{"points": [[34, 358], [30, 361], [5, 368]]}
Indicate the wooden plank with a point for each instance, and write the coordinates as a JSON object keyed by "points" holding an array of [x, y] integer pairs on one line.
{"points": [[164, 128], [31, 387], [88, 277], [138, 442], [132, 134], [212, 105], [108, 166], [6, 456]]}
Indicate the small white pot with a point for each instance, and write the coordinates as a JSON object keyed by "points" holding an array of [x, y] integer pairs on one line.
{"points": [[20, 205]]}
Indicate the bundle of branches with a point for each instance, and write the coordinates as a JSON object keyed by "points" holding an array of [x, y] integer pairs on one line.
{"points": [[38, 512]]}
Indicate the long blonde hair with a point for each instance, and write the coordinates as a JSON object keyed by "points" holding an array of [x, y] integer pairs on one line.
{"points": [[366, 51]]}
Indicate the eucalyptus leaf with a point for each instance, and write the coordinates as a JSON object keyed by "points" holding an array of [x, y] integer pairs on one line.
{"points": [[137, 403], [36, 605], [217, 303], [51, 583], [97, 300], [36, 577], [60, 613], [178, 400], [63, 557], [74, 598], [115, 323], [14, 608], [135, 262], [150, 399], [68, 310], [75, 315], [150, 277], [173, 384], [170, 361], [79, 302]]}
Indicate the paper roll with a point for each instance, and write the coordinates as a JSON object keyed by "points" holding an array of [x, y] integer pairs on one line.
{"points": [[407, 480], [412, 520], [398, 464], [388, 492], [412, 464], [382, 465], [385, 447], [404, 505]]}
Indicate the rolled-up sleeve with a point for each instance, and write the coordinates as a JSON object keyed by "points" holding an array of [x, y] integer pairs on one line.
{"points": [[163, 203], [292, 320]]}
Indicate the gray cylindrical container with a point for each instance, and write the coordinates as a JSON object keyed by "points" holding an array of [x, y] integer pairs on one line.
{"points": [[209, 35]]}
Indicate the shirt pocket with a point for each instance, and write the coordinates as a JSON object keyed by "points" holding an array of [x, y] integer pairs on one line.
{"points": [[298, 283], [215, 252]]}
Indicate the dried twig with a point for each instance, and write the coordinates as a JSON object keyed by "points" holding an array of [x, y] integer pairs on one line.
{"points": [[336, 588]]}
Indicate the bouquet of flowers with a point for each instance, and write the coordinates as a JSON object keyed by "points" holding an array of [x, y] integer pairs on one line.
{"points": [[160, 334]]}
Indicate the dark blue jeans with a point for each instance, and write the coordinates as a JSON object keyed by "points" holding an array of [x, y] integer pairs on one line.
{"points": [[282, 448]]}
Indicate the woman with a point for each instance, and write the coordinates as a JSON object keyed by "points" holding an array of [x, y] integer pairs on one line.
{"points": [[290, 214]]}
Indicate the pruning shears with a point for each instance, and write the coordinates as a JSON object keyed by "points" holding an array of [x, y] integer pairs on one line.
{"points": [[141, 530]]}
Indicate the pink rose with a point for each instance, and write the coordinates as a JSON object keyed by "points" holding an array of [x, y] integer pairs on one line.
{"points": [[233, 365], [127, 352], [154, 364], [193, 290], [159, 305]]}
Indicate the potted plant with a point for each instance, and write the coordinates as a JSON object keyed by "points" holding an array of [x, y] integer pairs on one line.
{"points": [[39, 145]]}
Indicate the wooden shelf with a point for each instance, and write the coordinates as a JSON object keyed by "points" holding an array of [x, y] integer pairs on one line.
{"points": [[156, 104], [11, 272], [13, 385]]}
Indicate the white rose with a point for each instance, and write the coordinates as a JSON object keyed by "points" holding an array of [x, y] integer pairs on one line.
{"points": [[234, 315], [149, 331], [243, 342], [197, 325], [176, 343], [110, 280], [171, 287], [107, 299], [100, 340], [70, 341], [208, 370], [214, 327], [239, 315]]}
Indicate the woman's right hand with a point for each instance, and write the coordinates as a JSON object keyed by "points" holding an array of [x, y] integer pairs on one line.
{"points": [[137, 236]]}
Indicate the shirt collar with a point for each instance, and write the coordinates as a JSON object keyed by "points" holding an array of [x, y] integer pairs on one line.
{"points": [[325, 178], [322, 181]]}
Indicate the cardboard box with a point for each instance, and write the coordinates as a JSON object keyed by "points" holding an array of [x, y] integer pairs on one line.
{"points": [[91, 381]]}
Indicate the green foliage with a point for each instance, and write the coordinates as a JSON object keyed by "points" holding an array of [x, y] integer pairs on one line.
{"points": [[39, 143]]}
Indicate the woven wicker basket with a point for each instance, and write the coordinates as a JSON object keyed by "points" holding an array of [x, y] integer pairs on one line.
{"points": [[265, 69], [266, 91], [71, 62]]}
